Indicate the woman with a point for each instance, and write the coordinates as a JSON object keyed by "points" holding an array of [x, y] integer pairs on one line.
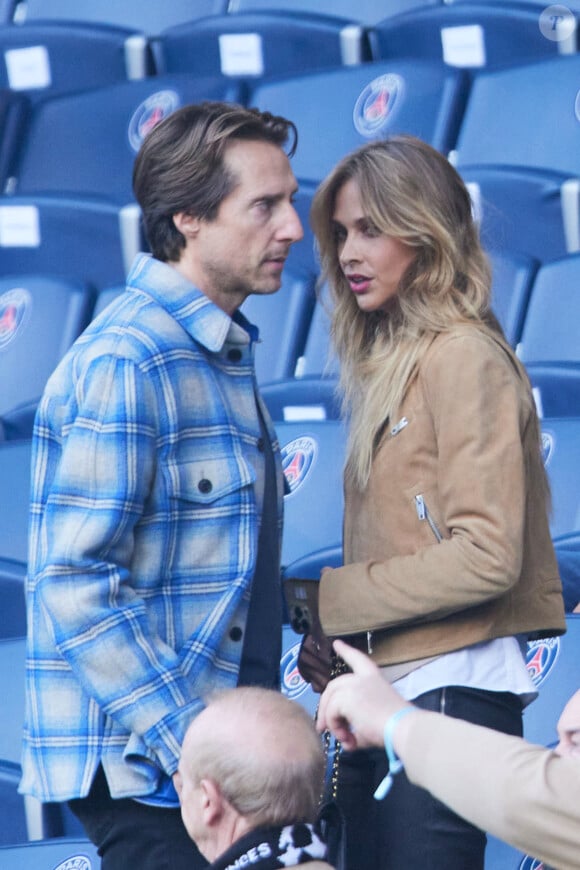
{"points": [[448, 561]]}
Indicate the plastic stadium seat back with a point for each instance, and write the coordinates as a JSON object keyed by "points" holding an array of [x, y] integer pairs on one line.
{"points": [[524, 210], [302, 399], [254, 45], [318, 358], [15, 459], [475, 36], [150, 17], [551, 326], [51, 59], [312, 457], [549, 344], [512, 277], [7, 8], [40, 317], [553, 665], [283, 319], [14, 112], [364, 11], [13, 827], [293, 685], [501, 856], [76, 854], [561, 451], [540, 5], [13, 611], [524, 116], [85, 144], [82, 240], [567, 549], [336, 111]]}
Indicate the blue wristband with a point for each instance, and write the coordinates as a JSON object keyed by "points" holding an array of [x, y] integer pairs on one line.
{"points": [[395, 763]]}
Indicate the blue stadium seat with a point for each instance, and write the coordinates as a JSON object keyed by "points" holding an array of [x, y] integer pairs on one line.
{"points": [[512, 277], [13, 115], [292, 683], [7, 8], [40, 317], [500, 856], [61, 854], [553, 665], [550, 346], [14, 502], [84, 241], [572, 5], [532, 212], [302, 399], [312, 457], [84, 145], [475, 36], [336, 111], [13, 610], [150, 17], [524, 116], [561, 451], [50, 59], [567, 549], [318, 358], [254, 45], [13, 824], [365, 11], [22, 819], [283, 320]]}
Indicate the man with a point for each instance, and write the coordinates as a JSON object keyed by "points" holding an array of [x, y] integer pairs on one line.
{"points": [[250, 778], [524, 794], [157, 492]]}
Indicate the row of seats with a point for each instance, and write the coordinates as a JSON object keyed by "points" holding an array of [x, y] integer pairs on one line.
{"points": [[498, 130], [41, 316]]}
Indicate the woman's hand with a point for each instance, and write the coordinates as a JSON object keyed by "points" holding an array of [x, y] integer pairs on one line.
{"points": [[315, 660]]}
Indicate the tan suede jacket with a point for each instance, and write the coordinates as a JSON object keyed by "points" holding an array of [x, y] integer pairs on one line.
{"points": [[449, 544]]}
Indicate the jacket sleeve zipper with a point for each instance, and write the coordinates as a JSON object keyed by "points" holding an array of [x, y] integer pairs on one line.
{"points": [[423, 514]]}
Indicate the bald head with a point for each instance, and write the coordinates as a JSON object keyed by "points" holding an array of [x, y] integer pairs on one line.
{"points": [[262, 752]]}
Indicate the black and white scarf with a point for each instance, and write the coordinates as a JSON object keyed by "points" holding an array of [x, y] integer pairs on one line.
{"points": [[271, 848]]}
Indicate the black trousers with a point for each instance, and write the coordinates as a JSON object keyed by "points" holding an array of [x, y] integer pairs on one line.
{"points": [[409, 829], [130, 835]]}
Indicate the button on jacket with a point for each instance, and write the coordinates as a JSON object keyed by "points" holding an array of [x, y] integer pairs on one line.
{"points": [[143, 536]]}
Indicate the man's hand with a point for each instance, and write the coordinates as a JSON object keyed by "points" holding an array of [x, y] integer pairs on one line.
{"points": [[356, 706]]}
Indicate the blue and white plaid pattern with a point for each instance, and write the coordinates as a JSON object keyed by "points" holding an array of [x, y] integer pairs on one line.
{"points": [[143, 536]]}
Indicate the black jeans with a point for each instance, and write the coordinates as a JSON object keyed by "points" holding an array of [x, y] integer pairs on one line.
{"points": [[409, 829], [132, 835]]}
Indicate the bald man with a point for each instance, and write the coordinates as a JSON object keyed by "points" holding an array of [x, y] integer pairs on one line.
{"points": [[249, 781]]}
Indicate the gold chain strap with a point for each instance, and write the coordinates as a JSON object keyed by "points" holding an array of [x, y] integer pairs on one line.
{"points": [[338, 667]]}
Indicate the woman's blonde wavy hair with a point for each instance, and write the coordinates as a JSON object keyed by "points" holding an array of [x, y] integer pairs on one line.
{"points": [[412, 193]]}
